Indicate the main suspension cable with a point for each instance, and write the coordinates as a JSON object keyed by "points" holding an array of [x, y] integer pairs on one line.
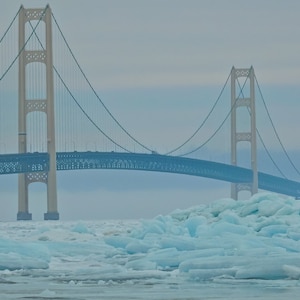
{"points": [[275, 131], [95, 93], [10, 25], [23, 47], [86, 114], [75, 100], [269, 154], [203, 122], [219, 127], [261, 139]]}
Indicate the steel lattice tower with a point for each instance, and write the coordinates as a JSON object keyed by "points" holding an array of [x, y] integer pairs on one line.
{"points": [[46, 106], [238, 100]]}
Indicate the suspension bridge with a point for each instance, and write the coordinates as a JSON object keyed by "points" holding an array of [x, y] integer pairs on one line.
{"points": [[50, 112]]}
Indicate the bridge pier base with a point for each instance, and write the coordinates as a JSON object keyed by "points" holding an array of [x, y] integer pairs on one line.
{"points": [[51, 216], [24, 216]]}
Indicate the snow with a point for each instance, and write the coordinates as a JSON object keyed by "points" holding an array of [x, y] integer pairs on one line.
{"points": [[224, 242]]}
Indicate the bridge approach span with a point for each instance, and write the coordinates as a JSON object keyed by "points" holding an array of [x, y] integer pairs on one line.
{"points": [[39, 162]]}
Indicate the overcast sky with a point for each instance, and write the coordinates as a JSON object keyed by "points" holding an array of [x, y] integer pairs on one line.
{"points": [[166, 59]]}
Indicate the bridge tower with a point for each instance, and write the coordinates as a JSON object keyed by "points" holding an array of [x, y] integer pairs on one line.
{"points": [[238, 100], [42, 55]]}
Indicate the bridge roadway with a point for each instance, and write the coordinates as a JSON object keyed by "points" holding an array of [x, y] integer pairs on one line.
{"points": [[39, 162]]}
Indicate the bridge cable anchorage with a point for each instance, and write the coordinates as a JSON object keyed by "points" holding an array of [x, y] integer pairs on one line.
{"points": [[204, 121], [275, 131], [263, 143], [219, 127], [95, 93], [21, 50], [80, 107]]}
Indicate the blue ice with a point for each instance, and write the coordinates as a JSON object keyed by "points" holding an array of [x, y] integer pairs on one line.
{"points": [[257, 238]]}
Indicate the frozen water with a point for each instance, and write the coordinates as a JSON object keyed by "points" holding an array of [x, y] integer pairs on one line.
{"points": [[227, 249]]}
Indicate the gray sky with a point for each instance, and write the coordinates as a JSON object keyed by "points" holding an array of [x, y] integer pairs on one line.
{"points": [[166, 59]]}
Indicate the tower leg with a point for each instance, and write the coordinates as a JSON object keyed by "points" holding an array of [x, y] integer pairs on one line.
{"points": [[43, 54], [52, 213], [23, 213], [238, 100]]}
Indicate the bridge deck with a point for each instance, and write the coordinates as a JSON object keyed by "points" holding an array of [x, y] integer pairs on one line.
{"points": [[38, 162]]}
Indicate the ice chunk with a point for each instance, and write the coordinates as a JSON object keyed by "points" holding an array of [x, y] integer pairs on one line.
{"points": [[141, 264], [14, 261], [271, 271], [272, 230], [181, 244], [230, 217], [193, 223], [207, 274], [15, 255], [270, 267], [165, 258], [294, 233], [269, 208], [81, 228], [208, 263], [221, 205], [248, 209], [291, 271], [223, 228], [118, 241], [137, 246]]}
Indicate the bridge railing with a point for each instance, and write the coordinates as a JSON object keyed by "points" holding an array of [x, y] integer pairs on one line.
{"points": [[24, 163]]}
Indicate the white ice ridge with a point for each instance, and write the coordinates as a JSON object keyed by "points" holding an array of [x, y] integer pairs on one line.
{"points": [[257, 238]]}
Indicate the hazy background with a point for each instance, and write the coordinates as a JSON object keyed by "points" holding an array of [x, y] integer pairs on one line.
{"points": [[159, 66]]}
